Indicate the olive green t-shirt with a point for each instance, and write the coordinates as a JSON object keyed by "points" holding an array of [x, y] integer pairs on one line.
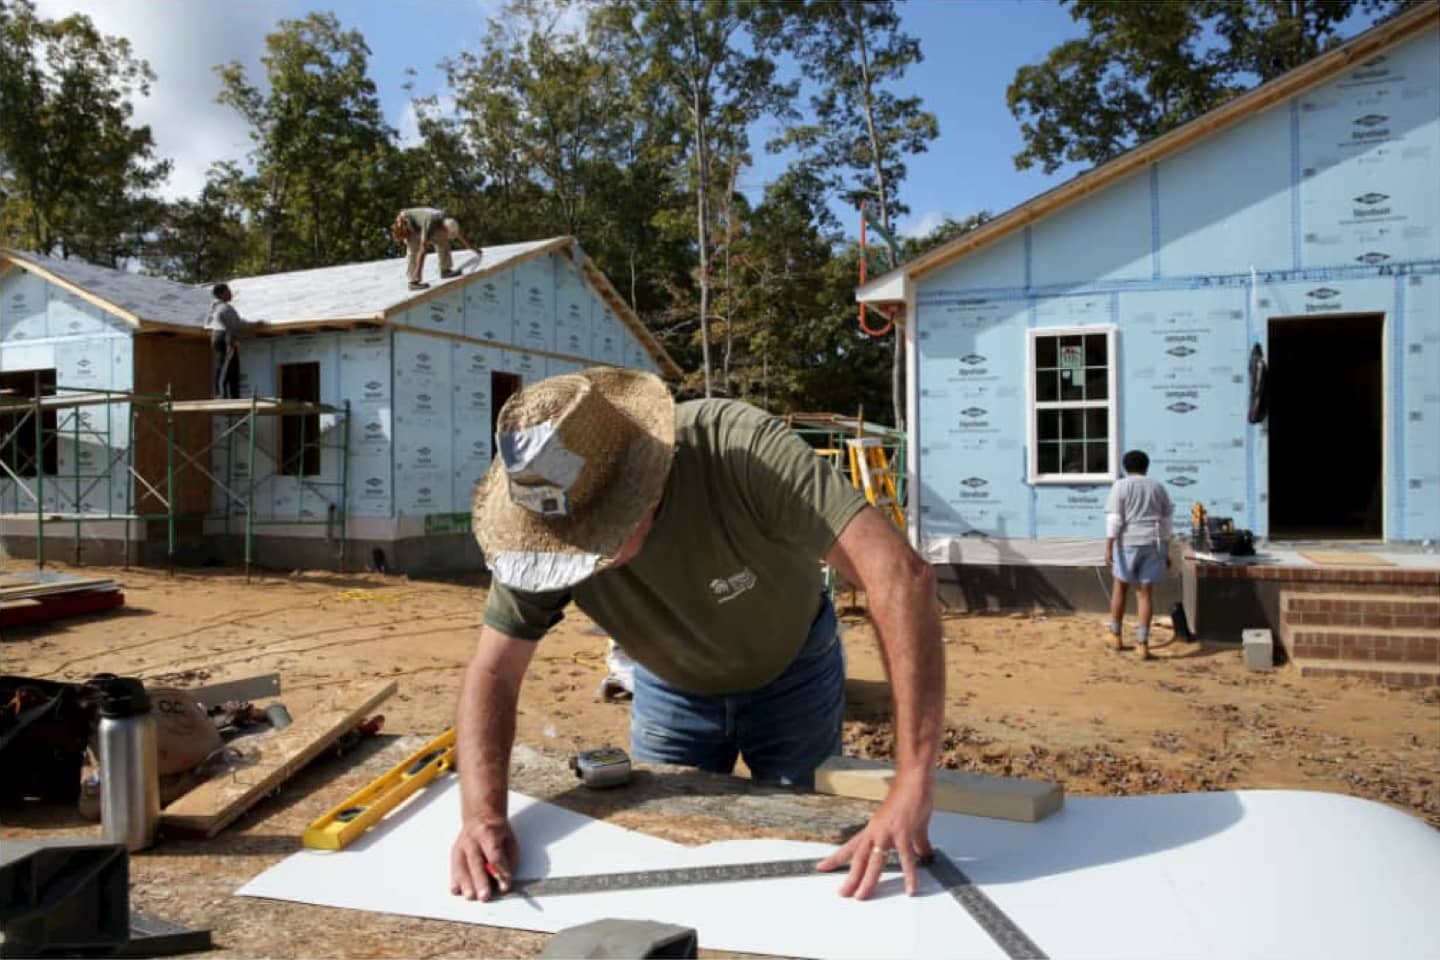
{"points": [[721, 595]]}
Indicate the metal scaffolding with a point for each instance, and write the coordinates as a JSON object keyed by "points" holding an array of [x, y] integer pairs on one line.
{"points": [[77, 419]]}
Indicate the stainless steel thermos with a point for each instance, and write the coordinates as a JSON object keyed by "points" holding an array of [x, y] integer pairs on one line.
{"points": [[129, 764]]}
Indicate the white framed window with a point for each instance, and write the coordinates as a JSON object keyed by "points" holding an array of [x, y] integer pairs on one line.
{"points": [[1071, 404]]}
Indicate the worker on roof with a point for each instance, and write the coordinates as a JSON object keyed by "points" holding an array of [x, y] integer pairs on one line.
{"points": [[692, 534], [225, 326], [417, 227]]}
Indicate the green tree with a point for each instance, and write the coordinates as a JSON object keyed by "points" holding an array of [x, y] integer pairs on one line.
{"points": [[75, 176], [697, 52], [1145, 68], [205, 239], [325, 161], [853, 51]]}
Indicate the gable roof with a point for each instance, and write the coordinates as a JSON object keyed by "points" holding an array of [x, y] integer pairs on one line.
{"points": [[139, 300], [351, 294], [1312, 73]]}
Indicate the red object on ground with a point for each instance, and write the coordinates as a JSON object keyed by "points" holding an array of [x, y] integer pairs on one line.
{"points": [[60, 607]]}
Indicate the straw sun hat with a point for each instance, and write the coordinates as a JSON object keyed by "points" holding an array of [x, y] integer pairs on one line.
{"points": [[582, 459]]}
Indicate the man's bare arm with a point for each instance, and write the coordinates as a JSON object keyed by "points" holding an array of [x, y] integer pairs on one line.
{"points": [[484, 735], [900, 590]]}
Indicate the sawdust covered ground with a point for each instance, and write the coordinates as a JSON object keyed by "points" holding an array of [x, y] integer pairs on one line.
{"points": [[1028, 695]]}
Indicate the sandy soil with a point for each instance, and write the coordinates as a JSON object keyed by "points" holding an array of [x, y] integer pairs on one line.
{"points": [[1028, 694]]}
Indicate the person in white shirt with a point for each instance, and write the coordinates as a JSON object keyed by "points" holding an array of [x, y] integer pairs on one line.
{"points": [[1138, 519]]}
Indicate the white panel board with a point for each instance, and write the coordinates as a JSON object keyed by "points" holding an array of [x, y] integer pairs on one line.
{"points": [[1103, 237], [1184, 396], [1420, 410], [27, 356], [1000, 265], [122, 363], [471, 442], [423, 424], [370, 487], [440, 315], [72, 316], [1224, 204], [23, 299], [490, 308], [365, 366], [1369, 145], [1248, 873], [573, 308], [530, 366], [257, 368], [972, 417], [535, 304], [608, 335]]}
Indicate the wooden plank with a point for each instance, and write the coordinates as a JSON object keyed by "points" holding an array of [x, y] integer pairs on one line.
{"points": [[218, 802], [19, 588], [75, 604], [1344, 558], [956, 791]]}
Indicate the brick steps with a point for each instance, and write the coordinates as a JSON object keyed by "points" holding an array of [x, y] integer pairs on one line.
{"points": [[1391, 674], [1391, 636]]}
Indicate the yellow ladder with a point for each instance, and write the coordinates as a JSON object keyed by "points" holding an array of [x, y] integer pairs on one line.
{"points": [[870, 471]]}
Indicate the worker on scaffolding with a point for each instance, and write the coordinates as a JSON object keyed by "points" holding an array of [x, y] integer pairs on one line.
{"points": [[225, 327], [417, 228]]}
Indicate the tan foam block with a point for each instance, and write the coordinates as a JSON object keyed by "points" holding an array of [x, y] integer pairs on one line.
{"points": [[956, 791]]}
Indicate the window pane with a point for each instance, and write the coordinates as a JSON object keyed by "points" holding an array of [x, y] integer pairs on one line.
{"points": [[1047, 425], [1047, 386], [1072, 424], [1049, 459], [1096, 456], [1095, 350], [1045, 352], [1097, 384], [1072, 385], [1073, 340], [1072, 457], [1097, 424]]}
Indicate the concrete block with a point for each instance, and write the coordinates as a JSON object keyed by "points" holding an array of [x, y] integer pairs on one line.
{"points": [[1259, 646]]}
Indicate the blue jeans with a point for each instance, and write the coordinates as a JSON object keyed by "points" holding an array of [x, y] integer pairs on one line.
{"points": [[784, 730]]}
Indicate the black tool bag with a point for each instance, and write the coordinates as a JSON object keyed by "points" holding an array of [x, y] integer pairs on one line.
{"points": [[44, 728]]}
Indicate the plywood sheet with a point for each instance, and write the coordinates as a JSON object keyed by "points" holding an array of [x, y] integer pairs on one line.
{"points": [[1248, 873], [217, 802], [1344, 558]]}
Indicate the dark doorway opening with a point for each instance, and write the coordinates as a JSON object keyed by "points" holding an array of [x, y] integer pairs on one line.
{"points": [[300, 433], [19, 449], [1327, 418], [502, 387]]}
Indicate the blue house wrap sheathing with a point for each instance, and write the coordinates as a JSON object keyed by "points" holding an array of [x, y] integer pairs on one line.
{"points": [[1298, 225]]}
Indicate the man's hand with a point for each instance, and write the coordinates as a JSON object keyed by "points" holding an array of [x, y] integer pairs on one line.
{"points": [[483, 852], [902, 824]]}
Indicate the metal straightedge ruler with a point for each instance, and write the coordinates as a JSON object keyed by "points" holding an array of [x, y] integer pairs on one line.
{"points": [[981, 908]]}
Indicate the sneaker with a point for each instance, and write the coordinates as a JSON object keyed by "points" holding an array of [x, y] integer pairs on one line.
{"points": [[447, 274], [419, 286]]}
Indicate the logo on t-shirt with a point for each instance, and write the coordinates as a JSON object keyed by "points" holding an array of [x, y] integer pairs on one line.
{"points": [[728, 588]]}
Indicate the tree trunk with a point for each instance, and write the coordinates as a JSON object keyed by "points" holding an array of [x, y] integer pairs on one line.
{"points": [[729, 292], [702, 165], [897, 367]]}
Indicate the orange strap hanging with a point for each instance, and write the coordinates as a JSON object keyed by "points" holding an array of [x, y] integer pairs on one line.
{"points": [[865, 327]]}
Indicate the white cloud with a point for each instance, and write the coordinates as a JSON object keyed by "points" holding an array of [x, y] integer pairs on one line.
{"points": [[923, 224], [183, 41]]}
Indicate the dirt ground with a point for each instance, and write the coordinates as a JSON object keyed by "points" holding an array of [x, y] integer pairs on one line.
{"points": [[1027, 694]]}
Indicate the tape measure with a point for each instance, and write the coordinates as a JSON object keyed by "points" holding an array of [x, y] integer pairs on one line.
{"points": [[606, 767], [986, 914]]}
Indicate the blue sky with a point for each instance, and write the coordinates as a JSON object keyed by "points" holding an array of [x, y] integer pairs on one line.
{"points": [[972, 49]]}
